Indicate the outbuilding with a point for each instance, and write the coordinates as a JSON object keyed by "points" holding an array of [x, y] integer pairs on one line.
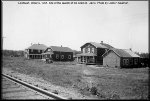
{"points": [[120, 58]]}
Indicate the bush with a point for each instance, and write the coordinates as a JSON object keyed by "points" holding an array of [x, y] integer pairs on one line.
{"points": [[93, 90]]}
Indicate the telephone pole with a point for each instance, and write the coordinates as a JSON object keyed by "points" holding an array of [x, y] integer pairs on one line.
{"points": [[2, 41]]}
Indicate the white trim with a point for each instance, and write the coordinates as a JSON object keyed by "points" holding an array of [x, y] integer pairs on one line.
{"points": [[108, 51], [92, 50]]}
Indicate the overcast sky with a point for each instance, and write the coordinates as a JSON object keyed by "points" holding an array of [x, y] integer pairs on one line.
{"points": [[123, 26]]}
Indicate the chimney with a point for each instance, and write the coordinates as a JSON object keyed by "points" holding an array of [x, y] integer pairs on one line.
{"points": [[101, 42], [61, 45], [38, 43], [130, 49]]}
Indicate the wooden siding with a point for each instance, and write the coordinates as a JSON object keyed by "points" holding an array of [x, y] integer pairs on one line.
{"points": [[89, 46], [133, 62], [111, 60], [35, 51], [97, 51], [65, 54]]}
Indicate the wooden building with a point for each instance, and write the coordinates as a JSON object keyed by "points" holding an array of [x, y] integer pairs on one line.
{"points": [[57, 53], [92, 53], [35, 51], [120, 58]]}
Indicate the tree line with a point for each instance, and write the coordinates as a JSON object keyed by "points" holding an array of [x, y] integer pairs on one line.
{"points": [[13, 53]]}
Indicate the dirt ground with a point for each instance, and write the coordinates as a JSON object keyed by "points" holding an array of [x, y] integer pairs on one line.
{"points": [[65, 92]]}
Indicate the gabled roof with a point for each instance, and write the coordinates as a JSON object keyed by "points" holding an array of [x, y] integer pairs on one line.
{"points": [[61, 49], [107, 45], [97, 45], [131, 53], [122, 52], [38, 46]]}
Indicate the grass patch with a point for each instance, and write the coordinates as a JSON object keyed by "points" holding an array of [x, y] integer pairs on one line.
{"points": [[103, 83]]}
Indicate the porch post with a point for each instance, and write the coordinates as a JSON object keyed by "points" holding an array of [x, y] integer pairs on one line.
{"points": [[86, 59], [83, 59], [77, 58], [93, 60]]}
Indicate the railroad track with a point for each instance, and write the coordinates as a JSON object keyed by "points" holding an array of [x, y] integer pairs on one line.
{"points": [[13, 88]]}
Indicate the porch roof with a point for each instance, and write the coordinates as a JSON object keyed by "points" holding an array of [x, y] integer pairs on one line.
{"points": [[48, 53], [86, 54]]}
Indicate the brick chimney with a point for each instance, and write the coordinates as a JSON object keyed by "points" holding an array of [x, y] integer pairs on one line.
{"points": [[61, 45], [101, 42]]}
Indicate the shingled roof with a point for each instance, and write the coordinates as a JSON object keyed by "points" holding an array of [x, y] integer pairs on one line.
{"points": [[99, 45], [38, 46], [107, 45], [122, 52], [61, 49]]}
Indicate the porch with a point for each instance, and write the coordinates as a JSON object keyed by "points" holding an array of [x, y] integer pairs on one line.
{"points": [[86, 58]]}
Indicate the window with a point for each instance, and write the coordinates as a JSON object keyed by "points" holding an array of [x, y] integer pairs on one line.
{"points": [[125, 61], [69, 56], [131, 62], [31, 50], [83, 50], [92, 50], [62, 56], [135, 61], [57, 56], [88, 50], [49, 50]]}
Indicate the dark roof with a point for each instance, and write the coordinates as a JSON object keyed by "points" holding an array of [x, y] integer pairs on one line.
{"points": [[122, 52], [61, 49], [97, 45], [107, 45], [38, 46]]}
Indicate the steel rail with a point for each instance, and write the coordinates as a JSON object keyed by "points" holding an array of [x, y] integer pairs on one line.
{"points": [[36, 88]]}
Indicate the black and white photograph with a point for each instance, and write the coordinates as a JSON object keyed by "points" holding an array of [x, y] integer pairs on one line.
{"points": [[75, 49]]}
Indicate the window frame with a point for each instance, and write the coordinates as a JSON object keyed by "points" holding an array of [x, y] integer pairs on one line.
{"points": [[92, 50], [83, 50], [62, 56], [69, 56], [89, 50], [48, 49], [57, 56], [125, 61], [135, 61], [31, 50]]}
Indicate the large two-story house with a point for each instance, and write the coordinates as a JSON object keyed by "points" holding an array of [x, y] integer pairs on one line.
{"points": [[35, 51], [92, 52]]}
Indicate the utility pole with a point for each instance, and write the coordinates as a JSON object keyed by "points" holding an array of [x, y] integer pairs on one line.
{"points": [[2, 41], [2, 45]]}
